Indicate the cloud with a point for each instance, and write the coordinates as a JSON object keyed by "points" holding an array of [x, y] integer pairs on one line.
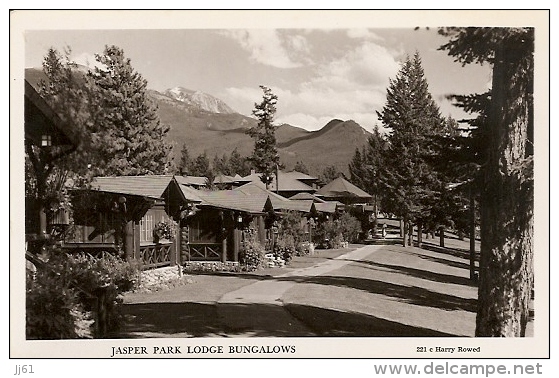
{"points": [[363, 33], [351, 86], [272, 47], [88, 60]]}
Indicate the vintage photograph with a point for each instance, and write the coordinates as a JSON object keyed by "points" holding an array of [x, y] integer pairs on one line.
{"points": [[219, 189]]}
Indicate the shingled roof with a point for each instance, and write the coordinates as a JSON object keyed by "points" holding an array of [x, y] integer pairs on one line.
{"points": [[288, 182], [341, 188], [151, 186]]}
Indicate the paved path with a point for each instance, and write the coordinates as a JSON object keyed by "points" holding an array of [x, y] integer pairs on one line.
{"points": [[236, 308], [373, 291]]}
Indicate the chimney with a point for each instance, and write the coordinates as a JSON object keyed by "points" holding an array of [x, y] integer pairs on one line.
{"points": [[252, 172]]}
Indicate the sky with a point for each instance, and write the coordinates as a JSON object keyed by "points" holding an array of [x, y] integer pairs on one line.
{"points": [[317, 74]]}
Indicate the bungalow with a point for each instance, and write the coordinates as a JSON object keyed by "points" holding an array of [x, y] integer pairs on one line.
{"points": [[125, 214], [287, 184], [47, 139]]}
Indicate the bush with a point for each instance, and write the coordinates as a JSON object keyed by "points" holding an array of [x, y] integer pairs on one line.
{"points": [[332, 233], [328, 235], [252, 255], [72, 283], [349, 227], [50, 308], [285, 248]]}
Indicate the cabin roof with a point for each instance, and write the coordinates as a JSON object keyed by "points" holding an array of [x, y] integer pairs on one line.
{"points": [[341, 188], [288, 182], [149, 186]]}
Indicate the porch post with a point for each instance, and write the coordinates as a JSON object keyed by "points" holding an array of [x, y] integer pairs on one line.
{"points": [[224, 248], [129, 240]]}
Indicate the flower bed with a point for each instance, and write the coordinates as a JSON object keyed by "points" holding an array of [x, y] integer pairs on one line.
{"points": [[211, 266]]}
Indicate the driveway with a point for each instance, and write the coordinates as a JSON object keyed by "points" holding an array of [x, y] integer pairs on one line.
{"points": [[376, 290]]}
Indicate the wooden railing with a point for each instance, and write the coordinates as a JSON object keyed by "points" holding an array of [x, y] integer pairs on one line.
{"points": [[204, 251], [155, 255]]}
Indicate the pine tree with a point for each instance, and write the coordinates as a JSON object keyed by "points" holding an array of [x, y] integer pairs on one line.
{"points": [[413, 118], [507, 181], [238, 164], [265, 156], [329, 174], [130, 137], [357, 169], [185, 163], [221, 165]]}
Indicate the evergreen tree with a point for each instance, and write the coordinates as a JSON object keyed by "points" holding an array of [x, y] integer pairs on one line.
{"points": [[221, 165], [238, 165], [48, 172], [373, 157], [129, 135], [507, 186], [265, 156], [329, 174], [413, 119], [357, 169], [185, 163], [201, 166]]}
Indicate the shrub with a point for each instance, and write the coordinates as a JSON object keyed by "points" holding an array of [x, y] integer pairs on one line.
{"points": [[328, 234], [50, 308], [252, 255], [284, 247], [72, 283], [349, 227]]}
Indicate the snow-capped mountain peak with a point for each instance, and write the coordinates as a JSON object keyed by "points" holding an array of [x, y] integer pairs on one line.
{"points": [[199, 99]]}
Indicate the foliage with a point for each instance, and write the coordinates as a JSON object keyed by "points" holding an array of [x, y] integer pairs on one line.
{"points": [[252, 255], [163, 230], [130, 138], [367, 168], [285, 247], [329, 174], [50, 308], [265, 156], [506, 275], [349, 227], [328, 234], [185, 163], [413, 119], [238, 164], [64, 292], [301, 167], [221, 165]]}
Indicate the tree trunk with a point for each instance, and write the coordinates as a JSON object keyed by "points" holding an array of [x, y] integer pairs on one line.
{"points": [[410, 234], [419, 234], [403, 231], [472, 235], [506, 258], [441, 236]]}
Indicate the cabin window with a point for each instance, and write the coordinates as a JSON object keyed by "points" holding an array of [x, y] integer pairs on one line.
{"points": [[146, 228], [46, 140]]}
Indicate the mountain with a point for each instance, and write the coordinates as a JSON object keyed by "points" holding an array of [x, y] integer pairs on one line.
{"points": [[210, 125], [199, 99]]}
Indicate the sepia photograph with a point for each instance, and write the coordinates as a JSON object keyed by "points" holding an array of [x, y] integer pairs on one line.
{"points": [[279, 184]]}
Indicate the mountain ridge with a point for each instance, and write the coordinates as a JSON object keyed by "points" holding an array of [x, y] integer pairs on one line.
{"points": [[214, 133]]}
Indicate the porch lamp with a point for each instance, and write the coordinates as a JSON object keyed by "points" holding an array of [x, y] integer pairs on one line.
{"points": [[240, 218]]}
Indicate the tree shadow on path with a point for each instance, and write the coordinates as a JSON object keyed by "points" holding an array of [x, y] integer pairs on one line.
{"points": [[407, 294], [332, 323], [168, 320], [420, 273]]}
